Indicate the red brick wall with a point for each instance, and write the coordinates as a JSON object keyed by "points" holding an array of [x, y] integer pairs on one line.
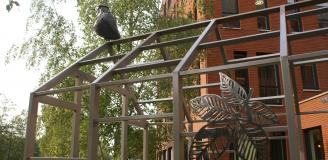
{"points": [[249, 27]]}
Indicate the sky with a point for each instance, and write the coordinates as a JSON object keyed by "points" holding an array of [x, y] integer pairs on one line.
{"points": [[17, 82]]}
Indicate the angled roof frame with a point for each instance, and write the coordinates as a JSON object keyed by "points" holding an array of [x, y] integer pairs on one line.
{"points": [[180, 114]]}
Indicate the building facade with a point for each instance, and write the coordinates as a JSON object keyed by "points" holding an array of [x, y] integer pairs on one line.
{"points": [[311, 79]]}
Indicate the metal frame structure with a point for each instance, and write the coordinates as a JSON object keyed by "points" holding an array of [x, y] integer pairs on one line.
{"points": [[152, 40]]}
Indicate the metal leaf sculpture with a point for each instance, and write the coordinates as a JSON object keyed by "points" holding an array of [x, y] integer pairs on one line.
{"points": [[233, 120], [213, 108]]}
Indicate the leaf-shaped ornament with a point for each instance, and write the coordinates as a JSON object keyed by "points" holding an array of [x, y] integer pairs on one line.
{"points": [[246, 148], [262, 114], [212, 108], [210, 142], [231, 91]]}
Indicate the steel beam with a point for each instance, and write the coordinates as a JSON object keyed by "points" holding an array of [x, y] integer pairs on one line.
{"points": [[61, 75], [307, 12], [178, 117], [201, 86], [101, 60], [76, 121], [133, 117], [145, 143], [129, 39], [150, 65], [308, 56], [309, 33], [169, 43], [93, 135], [257, 63], [62, 90], [192, 52], [237, 40], [223, 53], [136, 80], [58, 103], [155, 100], [127, 58], [304, 3], [31, 127], [248, 59], [294, 138], [311, 61], [124, 128]]}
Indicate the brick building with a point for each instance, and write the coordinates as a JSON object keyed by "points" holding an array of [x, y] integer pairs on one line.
{"points": [[311, 79]]}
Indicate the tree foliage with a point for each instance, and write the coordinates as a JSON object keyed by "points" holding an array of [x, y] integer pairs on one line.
{"points": [[12, 131], [54, 42]]}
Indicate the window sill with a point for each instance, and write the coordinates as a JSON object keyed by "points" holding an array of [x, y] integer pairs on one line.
{"points": [[264, 30], [232, 28], [311, 90]]}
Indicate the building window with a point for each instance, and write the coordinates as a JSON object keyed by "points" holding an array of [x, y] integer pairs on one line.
{"points": [[169, 154], [269, 82], [278, 147], [241, 75], [230, 7], [314, 143], [309, 76], [296, 22], [323, 20], [323, 17], [263, 22]]}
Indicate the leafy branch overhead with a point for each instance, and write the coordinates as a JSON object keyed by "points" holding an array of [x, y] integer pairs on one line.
{"points": [[11, 4]]}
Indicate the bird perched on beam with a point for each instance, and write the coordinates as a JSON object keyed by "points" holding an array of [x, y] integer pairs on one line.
{"points": [[106, 25]]}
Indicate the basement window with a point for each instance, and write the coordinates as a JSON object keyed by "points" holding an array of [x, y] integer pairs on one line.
{"points": [[230, 7]]}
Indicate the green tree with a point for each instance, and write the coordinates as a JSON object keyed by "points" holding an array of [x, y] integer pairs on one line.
{"points": [[12, 131], [53, 40]]}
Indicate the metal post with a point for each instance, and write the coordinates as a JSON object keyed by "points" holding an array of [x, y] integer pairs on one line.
{"points": [[190, 129], [93, 138], [145, 143], [178, 117], [75, 145], [124, 129], [298, 117], [31, 127], [223, 53], [293, 134]]}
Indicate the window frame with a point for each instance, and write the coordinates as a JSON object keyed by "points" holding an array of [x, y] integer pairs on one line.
{"points": [[307, 141], [276, 86], [266, 18], [231, 24], [314, 75], [238, 55]]}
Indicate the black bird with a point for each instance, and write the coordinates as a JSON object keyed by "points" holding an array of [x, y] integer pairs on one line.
{"points": [[106, 25]]}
